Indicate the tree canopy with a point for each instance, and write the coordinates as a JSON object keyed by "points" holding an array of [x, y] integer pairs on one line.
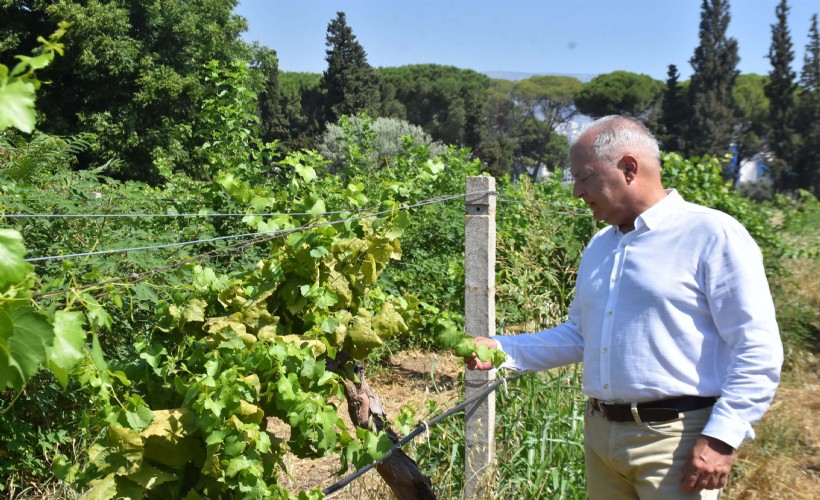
{"points": [[131, 74], [619, 92]]}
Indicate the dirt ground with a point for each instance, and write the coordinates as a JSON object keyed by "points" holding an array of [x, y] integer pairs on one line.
{"points": [[782, 463], [408, 378]]}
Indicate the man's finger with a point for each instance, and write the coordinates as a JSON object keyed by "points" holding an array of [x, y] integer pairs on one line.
{"points": [[690, 481]]}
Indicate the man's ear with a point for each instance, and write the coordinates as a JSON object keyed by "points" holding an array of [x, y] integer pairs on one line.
{"points": [[629, 166]]}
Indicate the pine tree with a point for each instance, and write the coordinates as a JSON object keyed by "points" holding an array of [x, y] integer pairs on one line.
{"points": [[673, 112], [808, 124], [350, 84], [709, 129], [269, 109], [781, 93]]}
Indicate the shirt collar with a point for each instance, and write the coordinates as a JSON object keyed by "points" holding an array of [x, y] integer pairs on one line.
{"points": [[660, 210], [653, 217]]}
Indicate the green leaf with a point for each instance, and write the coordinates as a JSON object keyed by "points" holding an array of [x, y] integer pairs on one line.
{"points": [[400, 223], [138, 415], [25, 335], [12, 266], [466, 347], [69, 340], [238, 464], [307, 173], [449, 338], [97, 354], [17, 106], [96, 314]]}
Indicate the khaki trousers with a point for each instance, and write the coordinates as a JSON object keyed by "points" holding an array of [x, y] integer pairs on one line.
{"points": [[645, 461]]}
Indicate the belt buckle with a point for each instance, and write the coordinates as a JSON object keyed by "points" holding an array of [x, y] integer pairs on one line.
{"points": [[633, 407], [602, 405]]}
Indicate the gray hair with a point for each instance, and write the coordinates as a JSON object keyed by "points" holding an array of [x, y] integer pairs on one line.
{"points": [[615, 133]]}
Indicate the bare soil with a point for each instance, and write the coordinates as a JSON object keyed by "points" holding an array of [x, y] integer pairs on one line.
{"points": [[782, 463], [407, 379]]}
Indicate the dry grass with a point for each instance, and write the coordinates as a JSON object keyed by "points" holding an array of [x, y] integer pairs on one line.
{"points": [[783, 462]]}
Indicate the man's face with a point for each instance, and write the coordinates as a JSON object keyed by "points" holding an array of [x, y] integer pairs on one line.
{"points": [[600, 184]]}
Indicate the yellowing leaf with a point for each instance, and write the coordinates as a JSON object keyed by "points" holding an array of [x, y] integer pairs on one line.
{"points": [[369, 270], [362, 336], [388, 322], [102, 489]]}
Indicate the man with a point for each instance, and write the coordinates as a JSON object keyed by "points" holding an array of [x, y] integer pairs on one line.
{"points": [[674, 322]]}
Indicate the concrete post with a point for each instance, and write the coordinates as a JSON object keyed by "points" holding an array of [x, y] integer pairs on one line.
{"points": [[479, 320]]}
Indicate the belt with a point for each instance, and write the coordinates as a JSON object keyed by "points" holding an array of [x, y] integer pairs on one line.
{"points": [[662, 410]]}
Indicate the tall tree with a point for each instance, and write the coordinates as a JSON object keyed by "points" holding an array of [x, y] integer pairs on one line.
{"points": [[546, 102], [447, 102], [502, 124], [265, 67], [349, 82], [673, 112], [132, 74], [808, 122], [712, 107], [781, 93], [619, 92], [752, 118]]}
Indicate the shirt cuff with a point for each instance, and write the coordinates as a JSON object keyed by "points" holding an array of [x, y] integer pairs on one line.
{"points": [[730, 431], [508, 361]]}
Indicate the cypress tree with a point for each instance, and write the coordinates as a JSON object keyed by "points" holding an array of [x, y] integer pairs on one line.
{"points": [[349, 83], [808, 123], [781, 93], [673, 112], [711, 103]]}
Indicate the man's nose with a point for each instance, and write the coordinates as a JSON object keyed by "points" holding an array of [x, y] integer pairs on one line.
{"points": [[577, 190]]}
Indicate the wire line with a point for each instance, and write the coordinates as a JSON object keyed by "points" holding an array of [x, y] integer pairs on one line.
{"points": [[138, 215], [418, 430], [438, 199]]}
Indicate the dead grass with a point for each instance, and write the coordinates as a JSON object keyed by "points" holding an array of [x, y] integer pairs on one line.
{"points": [[783, 462]]}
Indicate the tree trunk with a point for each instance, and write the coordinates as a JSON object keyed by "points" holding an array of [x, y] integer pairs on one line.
{"points": [[399, 471]]}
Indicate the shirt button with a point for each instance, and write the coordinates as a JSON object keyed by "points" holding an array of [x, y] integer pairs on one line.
{"points": [[623, 245], [615, 278], [609, 313], [603, 350], [606, 386]]}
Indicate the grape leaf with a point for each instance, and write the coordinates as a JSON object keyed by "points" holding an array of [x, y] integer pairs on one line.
{"points": [[17, 105], [12, 266], [24, 338], [69, 340]]}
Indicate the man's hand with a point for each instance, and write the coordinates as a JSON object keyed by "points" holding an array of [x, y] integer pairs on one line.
{"points": [[473, 363], [708, 465]]}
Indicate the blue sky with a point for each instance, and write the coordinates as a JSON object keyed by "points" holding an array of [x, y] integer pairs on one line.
{"points": [[585, 37]]}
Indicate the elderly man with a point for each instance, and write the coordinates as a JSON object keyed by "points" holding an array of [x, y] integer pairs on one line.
{"points": [[674, 323]]}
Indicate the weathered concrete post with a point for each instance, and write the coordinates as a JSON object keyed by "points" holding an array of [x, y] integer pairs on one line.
{"points": [[479, 320]]}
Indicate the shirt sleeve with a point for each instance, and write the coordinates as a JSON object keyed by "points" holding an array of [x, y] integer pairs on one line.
{"points": [[741, 304], [550, 348]]}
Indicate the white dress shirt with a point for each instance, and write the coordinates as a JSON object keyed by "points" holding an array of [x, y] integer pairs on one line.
{"points": [[679, 306]]}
